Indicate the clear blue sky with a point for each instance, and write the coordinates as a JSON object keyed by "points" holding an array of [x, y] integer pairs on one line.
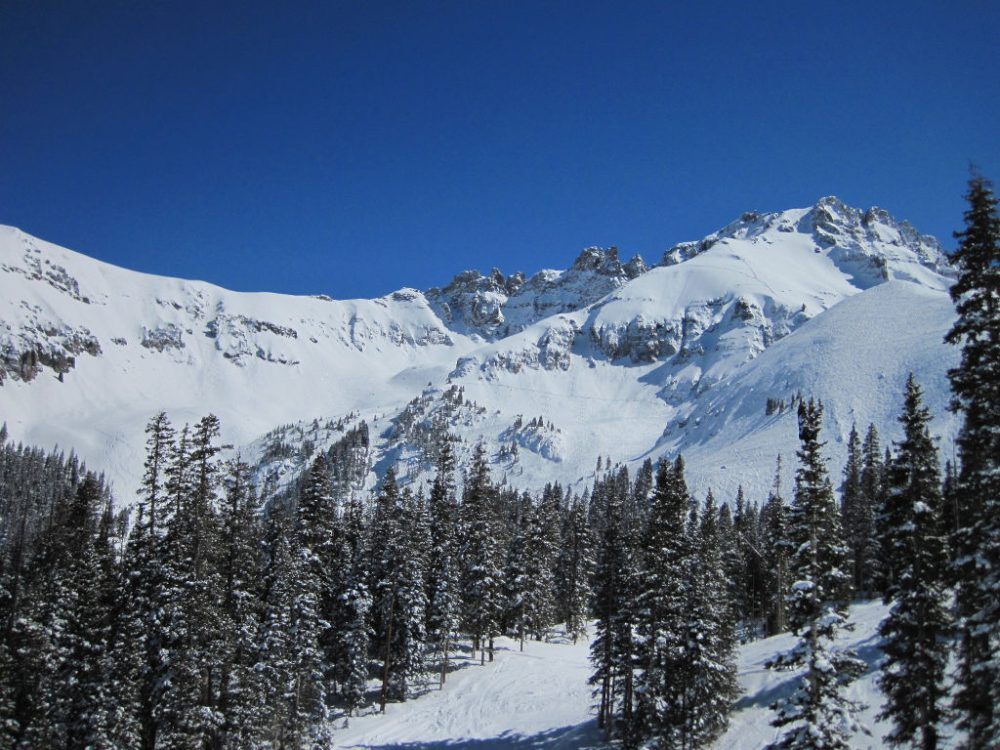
{"points": [[353, 148]]}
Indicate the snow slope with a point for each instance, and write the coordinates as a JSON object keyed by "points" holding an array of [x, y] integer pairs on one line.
{"points": [[540, 699], [535, 698], [551, 372]]}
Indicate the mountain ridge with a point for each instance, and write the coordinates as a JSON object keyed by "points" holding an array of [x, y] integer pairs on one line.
{"points": [[546, 359]]}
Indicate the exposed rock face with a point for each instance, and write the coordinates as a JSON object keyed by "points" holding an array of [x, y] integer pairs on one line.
{"points": [[496, 306]]}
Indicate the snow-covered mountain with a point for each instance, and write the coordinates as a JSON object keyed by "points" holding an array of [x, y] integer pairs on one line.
{"points": [[703, 352]]}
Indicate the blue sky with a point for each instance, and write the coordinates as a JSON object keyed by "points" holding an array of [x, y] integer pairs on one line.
{"points": [[353, 148]]}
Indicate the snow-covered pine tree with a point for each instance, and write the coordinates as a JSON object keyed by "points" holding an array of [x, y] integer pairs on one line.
{"points": [[290, 659], [398, 543], [187, 712], [444, 605], [642, 488], [710, 645], [540, 556], [139, 666], [739, 537], [316, 533], [481, 556], [858, 511], [916, 632], [613, 648], [356, 642], [976, 394], [775, 547], [733, 562], [872, 490], [662, 601], [71, 701], [240, 693], [516, 581], [409, 633], [817, 716], [575, 569], [351, 613]]}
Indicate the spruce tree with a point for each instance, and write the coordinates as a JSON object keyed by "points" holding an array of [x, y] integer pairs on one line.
{"points": [[663, 600], [859, 511], [976, 395], [482, 583], [613, 648], [517, 618], [71, 700], [817, 716], [240, 691], [575, 569], [540, 556], [915, 634], [775, 543], [444, 604], [290, 659], [316, 537], [399, 542], [139, 651], [188, 709], [872, 495], [351, 614], [710, 644]]}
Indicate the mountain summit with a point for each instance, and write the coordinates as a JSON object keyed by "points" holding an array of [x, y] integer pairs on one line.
{"points": [[621, 360]]}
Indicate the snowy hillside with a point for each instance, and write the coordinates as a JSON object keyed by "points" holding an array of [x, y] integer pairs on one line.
{"points": [[552, 371], [539, 698]]}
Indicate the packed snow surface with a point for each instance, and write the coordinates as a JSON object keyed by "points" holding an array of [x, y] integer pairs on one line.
{"points": [[540, 699], [535, 698]]}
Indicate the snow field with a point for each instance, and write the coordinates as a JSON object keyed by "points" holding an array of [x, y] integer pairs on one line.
{"points": [[540, 699], [535, 698]]}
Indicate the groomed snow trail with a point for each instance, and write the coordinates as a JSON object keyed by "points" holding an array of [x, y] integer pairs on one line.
{"points": [[538, 698]]}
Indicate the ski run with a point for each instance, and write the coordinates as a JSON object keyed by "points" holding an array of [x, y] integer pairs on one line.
{"points": [[539, 699]]}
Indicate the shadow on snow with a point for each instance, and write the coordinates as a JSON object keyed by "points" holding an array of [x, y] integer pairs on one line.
{"points": [[584, 736]]}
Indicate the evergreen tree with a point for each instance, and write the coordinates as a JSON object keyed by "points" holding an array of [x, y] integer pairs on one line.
{"points": [[742, 557], [517, 619], [858, 509], [71, 699], [399, 541], [976, 394], [575, 569], [711, 639], [915, 634], [482, 583], [663, 600], [350, 619], [775, 543], [290, 660], [817, 716], [410, 636], [188, 708], [316, 537], [872, 495], [540, 556], [444, 605], [613, 648], [240, 691], [140, 666]]}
